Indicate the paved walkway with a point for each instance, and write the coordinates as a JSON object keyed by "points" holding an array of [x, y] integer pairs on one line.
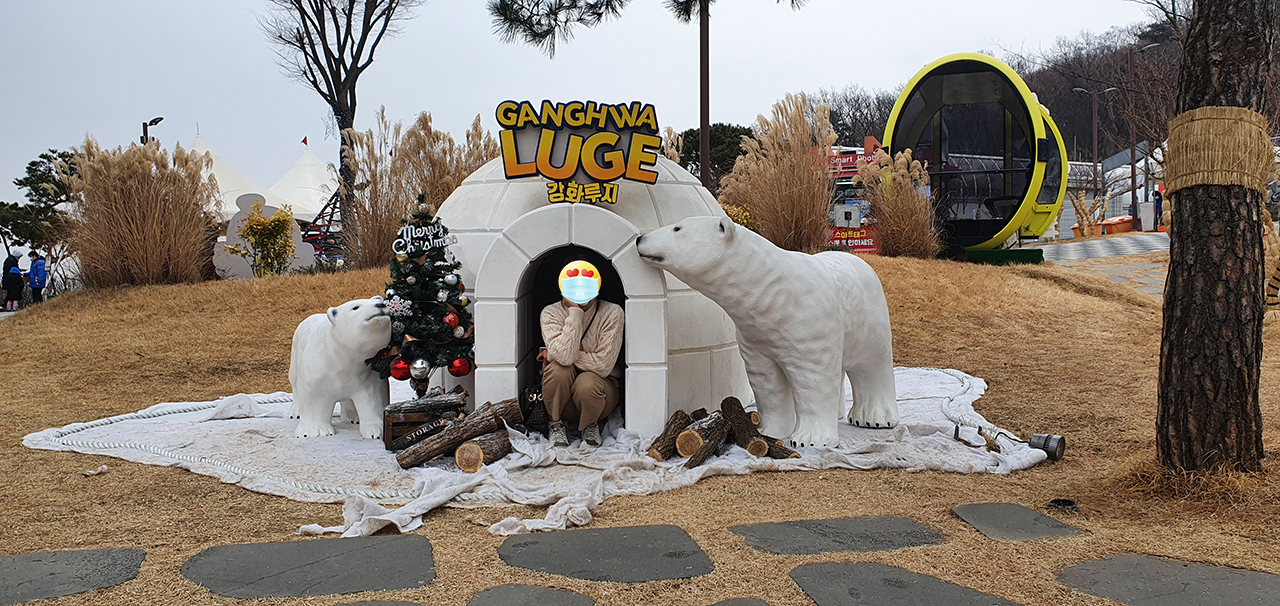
{"points": [[646, 553], [1144, 277], [1107, 247]]}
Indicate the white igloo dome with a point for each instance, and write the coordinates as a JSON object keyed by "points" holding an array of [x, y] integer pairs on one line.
{"points": [[680, 349]]}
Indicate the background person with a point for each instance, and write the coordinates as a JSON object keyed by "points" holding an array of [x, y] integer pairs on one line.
{"points": [[12, 283], [580, 372], [38, 277]]}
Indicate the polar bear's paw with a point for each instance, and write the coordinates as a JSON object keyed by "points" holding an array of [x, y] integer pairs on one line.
{"points": [[349, 414], [312, 429], [293, 411], [371, 430], [811, 434], [874, 416]]}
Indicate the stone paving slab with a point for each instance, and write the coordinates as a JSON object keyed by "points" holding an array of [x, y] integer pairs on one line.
{"points": [[316, 567], [742, 602], [53, 574], [629, 554], [528, 595], [1148, 581], [870, 584], [1008, 523], [809, 537]]}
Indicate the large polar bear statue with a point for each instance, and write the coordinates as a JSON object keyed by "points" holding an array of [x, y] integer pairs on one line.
{"points": [[327, 366], [804, 321]]}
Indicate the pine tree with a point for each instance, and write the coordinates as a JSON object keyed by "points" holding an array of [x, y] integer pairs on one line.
{"points": [[431, 326]]}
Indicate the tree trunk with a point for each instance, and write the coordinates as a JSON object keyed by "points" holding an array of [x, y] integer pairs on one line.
{"points": [[704, 115], [478, 452], [487, 419], [1211, 351], [346, 118]]}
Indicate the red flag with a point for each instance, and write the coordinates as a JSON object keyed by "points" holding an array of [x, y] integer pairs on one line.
{"points": [[304, 140]]}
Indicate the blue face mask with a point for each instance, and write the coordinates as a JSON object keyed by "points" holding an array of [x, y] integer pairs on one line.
{"points": [[580, 290]]}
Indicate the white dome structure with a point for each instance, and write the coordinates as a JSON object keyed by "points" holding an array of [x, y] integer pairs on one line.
{"points": [[680, 349], [307, 186], [232, 184]]}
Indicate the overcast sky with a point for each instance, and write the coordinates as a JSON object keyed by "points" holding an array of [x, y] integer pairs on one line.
{"points": [[73, 68]]}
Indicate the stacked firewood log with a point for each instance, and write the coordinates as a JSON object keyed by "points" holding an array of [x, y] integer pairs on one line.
{"points": [[474, 440], [700, 434]]}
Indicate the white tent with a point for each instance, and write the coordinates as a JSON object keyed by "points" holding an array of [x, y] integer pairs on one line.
{"points": [[307, 186], [232, 185]]}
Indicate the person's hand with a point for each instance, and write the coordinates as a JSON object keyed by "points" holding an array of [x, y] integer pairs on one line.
{"points": [[542, 355], [569, 304]]}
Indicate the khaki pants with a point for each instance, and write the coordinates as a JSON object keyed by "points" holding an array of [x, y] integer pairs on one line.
{"points": [[573, 395]]}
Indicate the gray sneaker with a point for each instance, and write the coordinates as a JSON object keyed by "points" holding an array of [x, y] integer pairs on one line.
{"points": [[591, 435], [558, 437]]}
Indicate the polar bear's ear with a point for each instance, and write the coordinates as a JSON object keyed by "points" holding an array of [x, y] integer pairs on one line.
{"points": [[728, 228], [332, 315]]}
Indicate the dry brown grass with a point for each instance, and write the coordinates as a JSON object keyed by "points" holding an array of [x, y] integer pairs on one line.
{"points": [[140, 218], [394, 168], [782, 179], [1050, 363], [903, 216]]}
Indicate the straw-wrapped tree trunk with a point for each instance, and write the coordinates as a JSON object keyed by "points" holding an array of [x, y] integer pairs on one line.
{"points": [[1210, 355]]}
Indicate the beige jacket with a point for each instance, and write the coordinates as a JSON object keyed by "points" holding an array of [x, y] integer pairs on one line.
{"points": [[562, 329]]}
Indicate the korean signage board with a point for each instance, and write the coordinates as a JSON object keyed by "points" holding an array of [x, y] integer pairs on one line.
{"points": [[857, 239], [583, 148]]}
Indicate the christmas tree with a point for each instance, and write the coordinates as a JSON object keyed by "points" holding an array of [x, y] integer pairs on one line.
{"points": [[431, 326]]}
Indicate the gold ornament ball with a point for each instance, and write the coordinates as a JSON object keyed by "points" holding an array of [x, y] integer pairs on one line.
{"points": [[401, 257], [463, 300]]}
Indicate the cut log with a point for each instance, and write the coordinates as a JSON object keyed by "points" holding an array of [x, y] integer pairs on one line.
{"points": [[486, 419], [664, 446], [778, 451], [741, 431], [478, 452], [755, 417], [711, 437], [433, 426], [699, 414], [696, 434], [435, 401]]}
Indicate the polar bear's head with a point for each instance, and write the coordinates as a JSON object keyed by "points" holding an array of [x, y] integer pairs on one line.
{"points": [[689, 248], [362, 325]]}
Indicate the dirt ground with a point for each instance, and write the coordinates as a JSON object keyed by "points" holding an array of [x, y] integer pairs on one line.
{"points": [[1062, 352]]}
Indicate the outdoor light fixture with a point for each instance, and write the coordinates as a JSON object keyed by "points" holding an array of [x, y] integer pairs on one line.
{"points": [[1054, 445], [154, 121]]}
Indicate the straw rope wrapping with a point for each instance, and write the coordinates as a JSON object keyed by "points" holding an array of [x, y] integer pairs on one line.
{"points": [[1219, 146]]}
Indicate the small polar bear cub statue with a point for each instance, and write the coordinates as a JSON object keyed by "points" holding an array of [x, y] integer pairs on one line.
{"points": [[327, 366], [804, 322]]}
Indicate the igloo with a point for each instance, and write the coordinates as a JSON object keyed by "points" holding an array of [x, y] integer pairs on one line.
{"points": [[680, 349]]}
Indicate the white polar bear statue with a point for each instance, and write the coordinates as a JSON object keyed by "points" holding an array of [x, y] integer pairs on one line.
{"points": [[327, 366], [804, 321]]}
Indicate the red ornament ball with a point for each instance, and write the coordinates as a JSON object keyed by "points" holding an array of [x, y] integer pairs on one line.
{"points": [[451, 319], [460, 367], [400, 369]]}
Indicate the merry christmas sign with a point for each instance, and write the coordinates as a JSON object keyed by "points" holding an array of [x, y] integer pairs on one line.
{"points": [[583, 148]]}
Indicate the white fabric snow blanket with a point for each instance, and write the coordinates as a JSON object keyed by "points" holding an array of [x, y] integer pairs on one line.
{"points": [[247, 440]]}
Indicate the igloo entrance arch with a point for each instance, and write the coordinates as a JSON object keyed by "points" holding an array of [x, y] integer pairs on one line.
{"points": [[680, 350]]}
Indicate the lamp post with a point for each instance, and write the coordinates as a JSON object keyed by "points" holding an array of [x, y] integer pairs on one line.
{"points": [[1094, 94], [145, 138]]}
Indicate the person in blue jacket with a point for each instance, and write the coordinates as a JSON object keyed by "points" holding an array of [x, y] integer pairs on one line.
{"points": [[12, 283], [38, 277]]}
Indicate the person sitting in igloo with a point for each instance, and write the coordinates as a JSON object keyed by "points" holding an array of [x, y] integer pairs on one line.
{"points": [[580, 371]]}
